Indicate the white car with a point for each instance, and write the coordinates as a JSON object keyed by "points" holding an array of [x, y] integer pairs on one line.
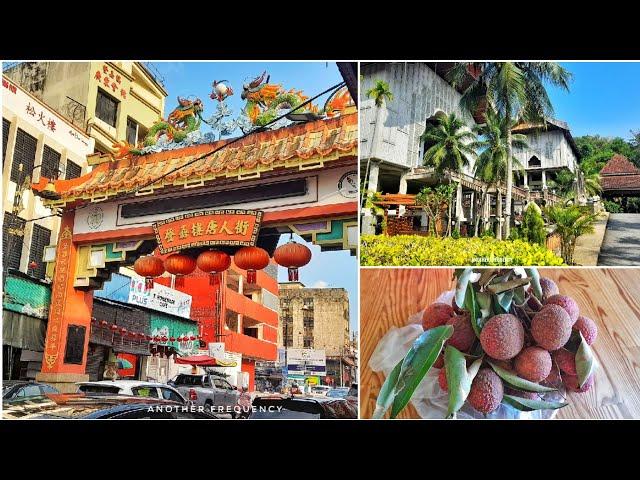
{"points": [[136, 388], [320, 390]]}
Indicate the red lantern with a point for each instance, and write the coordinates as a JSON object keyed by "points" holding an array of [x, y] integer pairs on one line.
{"points": [[149, 267], [180, 265], [165, 338], [251, 259], [103, 323], [172, 339], [292, 255], [149, 337], [192, 338], [123, 331], [113, 327], [213, 262], [156, 338]]}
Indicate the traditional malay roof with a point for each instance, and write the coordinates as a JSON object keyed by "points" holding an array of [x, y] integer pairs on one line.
{"points": [[551, 124], [620, 174], [299, 146]]}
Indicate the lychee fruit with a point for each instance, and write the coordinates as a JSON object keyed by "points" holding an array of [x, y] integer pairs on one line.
{"points": [[533, 364], [568, 303], [463, 334], [436, 315], [553, 379], [442, 380], [587, 327], [502, 337], [572, 384], [504, 364], [551, 327], [549, 288], [566, 361], [486, 391]]}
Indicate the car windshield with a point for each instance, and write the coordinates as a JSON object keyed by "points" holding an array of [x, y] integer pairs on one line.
{"points": [[189, 380], [106, 389], [338, 393]]}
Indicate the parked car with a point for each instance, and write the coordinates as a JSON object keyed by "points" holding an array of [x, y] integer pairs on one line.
{"points": [[352, 396], [135, 388], [211, 391], [279, 407], [24, 388], [320, 389], [101, 406], [338, 392]]}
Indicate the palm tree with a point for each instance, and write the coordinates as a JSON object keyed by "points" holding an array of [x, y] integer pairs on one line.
{"points": [[564, 184], [516, 91], [491, 166], [452, 145], [571, 222], [380, 93], [591, 178]]}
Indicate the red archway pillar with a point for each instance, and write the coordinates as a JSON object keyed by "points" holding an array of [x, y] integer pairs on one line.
{"points": [[69, 308]]}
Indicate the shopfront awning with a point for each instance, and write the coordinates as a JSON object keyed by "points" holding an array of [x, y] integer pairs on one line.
{"points": [[23, 331], [204, 361]]}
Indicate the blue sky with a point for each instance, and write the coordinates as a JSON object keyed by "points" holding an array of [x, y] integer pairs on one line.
{"points": [[604, 98], [330, 269]]}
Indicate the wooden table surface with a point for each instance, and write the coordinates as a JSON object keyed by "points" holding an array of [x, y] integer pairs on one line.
{"points": [[610, 296]]}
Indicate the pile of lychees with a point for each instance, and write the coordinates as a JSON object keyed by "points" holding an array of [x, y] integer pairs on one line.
{"points": [[537, 343]]}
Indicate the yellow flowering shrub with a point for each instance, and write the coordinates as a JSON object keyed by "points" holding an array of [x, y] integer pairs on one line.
{"points": [[413, 250]]}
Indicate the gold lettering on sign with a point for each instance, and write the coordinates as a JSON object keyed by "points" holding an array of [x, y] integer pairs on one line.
{"points": [[58, 297]]}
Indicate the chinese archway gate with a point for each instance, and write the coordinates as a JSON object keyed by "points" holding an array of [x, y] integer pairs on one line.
{"points": [[300, 179]]}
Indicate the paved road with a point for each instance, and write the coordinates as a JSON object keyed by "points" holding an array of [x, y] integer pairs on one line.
{"points": [[621, 245]]}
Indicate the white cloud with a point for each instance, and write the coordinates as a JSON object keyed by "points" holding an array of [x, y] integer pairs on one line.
{"points": [[320, 284]]}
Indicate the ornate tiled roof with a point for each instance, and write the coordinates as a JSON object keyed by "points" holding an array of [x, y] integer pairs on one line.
{"points": [[302, 146], [619, 165]]}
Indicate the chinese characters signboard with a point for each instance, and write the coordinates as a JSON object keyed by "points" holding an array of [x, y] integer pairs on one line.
{"points": [[109, 78], [211, 227]]}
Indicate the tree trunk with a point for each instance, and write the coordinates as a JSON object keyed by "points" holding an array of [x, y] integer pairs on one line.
{"points": [[481, 215], [499, 214], [507, 210], [376, 131]]}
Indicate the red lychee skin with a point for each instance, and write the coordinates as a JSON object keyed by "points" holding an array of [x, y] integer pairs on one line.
{"points": [[551, 327], [436, 315], [549, 288], [533, 364], [504, 364], [463, 334], [588, 328], [566, 361], [571, 382], [502, 337], [442, 380], [568, 303], [439, 361], [520, 393], [553, 379], [486, 391]]}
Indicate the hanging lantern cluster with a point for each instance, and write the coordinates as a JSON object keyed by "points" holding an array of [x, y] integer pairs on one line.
{"points": [[251, 259], [180, 265], [122, 331], [292, 255]]}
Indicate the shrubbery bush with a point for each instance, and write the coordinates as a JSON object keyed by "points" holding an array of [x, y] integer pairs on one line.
{"points": [[413, 250]]}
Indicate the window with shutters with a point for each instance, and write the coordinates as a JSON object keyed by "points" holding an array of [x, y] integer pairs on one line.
{"points": [[73, 170], [132, 131], [24, 152], [50, 163], [40, 238], [106, 108], [11, 241], [6, 125]]}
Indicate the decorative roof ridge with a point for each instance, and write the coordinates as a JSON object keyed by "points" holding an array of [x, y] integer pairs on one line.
{"points": [[619, 165]]}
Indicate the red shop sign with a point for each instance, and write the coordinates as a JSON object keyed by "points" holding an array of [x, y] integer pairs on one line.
{"points": [[212, 227]]}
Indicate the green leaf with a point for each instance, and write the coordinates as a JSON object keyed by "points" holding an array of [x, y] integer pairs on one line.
{"points": [[519, 295], [419, 359], [484, 302], [584, 361], [461, 285], [526, 405], [518, 382], [535, 282], [458, 378], [386, 395], [504, 300], [472, 307]]}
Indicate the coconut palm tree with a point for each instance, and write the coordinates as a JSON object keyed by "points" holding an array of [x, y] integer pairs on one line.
{"points": [[452, 146], [380, 93], [516, 91], [491, 165], [591, 177], [571, 222]]}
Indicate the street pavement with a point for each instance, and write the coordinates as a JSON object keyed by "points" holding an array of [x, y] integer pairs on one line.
{"points": [[621, 245]]}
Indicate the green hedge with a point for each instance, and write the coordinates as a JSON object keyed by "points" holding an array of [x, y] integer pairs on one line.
{"points": [[412, 250]]}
